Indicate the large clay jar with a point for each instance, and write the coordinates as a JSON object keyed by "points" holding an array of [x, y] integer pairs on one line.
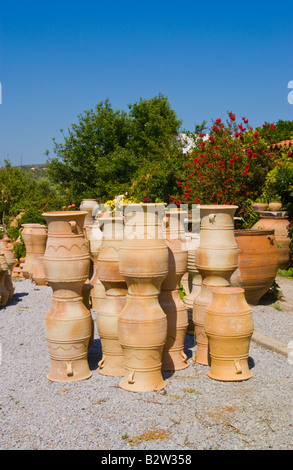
{"points": [[229, 327], [216, 260], [26, 235], [195, 277], [88, 205], [4, 293], [257, 263], [142, 324], [39, 239], [10, 260], [279, 225], [111, 306], [68, 322], [95, 240], [175, 309]]}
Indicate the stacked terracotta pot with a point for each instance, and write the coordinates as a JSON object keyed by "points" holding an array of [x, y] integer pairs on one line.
{"points": [[7, 255]]}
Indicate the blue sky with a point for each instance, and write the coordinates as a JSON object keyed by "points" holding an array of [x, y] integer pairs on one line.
{"points": [[58, 59]]}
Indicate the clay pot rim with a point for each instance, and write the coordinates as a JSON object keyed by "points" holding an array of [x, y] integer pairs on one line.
{"points": [[228, 290], [62, 213], [253, 232], [31, 225], [217, 206]]}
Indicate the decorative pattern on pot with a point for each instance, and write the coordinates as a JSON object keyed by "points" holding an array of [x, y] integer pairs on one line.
{"points": [[95, 241], [39, 239], [26, 235], [216, 260], [229, 327], [142, 324], [110, 307], [175, 309], [68, 322], [279, 225], [257, 263], [10, 260]]}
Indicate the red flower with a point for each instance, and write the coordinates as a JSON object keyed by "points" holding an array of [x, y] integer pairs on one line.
{"points": [[211, 139], [232, 116], [272, 126], [255, 134]]}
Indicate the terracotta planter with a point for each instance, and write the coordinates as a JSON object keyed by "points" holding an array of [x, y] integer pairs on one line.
{"points": [[4, 293], [88, 205], [110, 307], [175, 309], [68, 322], [216, 260], [257, 263], [279, 225], [142, 324], [259, 206], [10, 260], [275, 206], [29, 257], [39, 239], [95, 241], [195, 278], [229, 327]]}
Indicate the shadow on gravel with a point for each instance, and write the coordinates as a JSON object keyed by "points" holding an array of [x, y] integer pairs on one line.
{"points": [[17, 297], [95, 354]]}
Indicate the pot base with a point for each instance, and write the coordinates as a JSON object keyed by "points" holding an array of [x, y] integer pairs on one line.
{"points": [[140, 381], [69, 371], [230, 371]]}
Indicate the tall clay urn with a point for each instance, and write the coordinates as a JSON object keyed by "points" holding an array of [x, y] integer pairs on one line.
{"points": [[229, 327], [10, 260], [4, 293], [88, 205], [279, 225], [39, 239], [26, 235], [257, 263], [216, 260], [175, 309], [111, 306], [95, 241], [68, 322], [142, 324]]}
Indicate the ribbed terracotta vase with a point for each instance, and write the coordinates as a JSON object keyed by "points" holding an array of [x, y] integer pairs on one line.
{"points": [[4, 293], [39, 239], [195, 279], [68, 322], [142, 324], [95, 241], [88, 205], [279, 225], [111, 306], [229, 327], [10, 260], [216, 260], [257, 263], [26, 235], [174, 357]]}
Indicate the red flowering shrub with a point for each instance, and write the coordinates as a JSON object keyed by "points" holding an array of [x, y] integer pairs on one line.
{"points": [[228, 166]]}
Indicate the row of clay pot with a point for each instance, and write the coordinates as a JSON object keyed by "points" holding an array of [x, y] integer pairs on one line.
{"points": [[141, 319], [7, 262], [35, 239]]}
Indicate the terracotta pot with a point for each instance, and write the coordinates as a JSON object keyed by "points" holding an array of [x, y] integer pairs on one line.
{"points": [[279, 225], [216, 260], [39, 239], [229, 327], [10, 260], [257, 263], [275, 206], [175, 309], [26, 235], [88, 205], [95, 241], [259, 206], [195, 279], [4, 293], [142, 324], [68, 322], [110, 307]]}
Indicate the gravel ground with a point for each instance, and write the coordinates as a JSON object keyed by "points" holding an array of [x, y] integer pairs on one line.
{"points": [[193, 412]]}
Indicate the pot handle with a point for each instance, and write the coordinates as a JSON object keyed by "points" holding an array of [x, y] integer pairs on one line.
{"points": [[69, 370], [73, 226], [101, 363], [131, 377], [238, 366], [212, 218], [271, 241]]}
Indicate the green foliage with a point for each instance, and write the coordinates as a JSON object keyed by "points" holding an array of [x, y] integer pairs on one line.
{"points": [[274, 133]]}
